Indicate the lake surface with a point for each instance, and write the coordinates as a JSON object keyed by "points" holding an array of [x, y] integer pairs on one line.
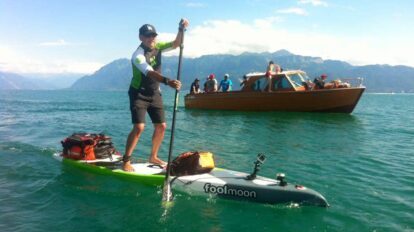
{"points": [[362, 163]]}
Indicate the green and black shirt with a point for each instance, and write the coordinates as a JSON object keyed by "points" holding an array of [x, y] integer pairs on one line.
{"points": [[143, 60]]}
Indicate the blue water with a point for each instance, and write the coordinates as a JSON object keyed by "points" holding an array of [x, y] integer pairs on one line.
{"points": [[362, 163]]}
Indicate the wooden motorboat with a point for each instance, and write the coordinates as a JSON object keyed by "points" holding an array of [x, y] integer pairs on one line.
{"points": [[289, 91]]}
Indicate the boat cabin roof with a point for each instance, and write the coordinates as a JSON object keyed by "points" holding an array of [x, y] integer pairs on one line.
{"points": [[291, 80]]}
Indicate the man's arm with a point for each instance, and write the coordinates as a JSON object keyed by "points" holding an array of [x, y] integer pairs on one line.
{"points": [[182, 26], [160, 78]]}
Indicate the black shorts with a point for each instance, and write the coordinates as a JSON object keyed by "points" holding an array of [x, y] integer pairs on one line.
{"points": [[139, 104]]}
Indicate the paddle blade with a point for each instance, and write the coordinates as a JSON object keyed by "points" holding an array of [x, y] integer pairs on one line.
{"points": [[167, 195]]}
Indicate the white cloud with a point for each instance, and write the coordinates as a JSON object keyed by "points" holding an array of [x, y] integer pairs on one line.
{"points": [[235, 37], [54, 67], [57, 43], [269, 21], [314, 2], [223, 37], [64, 66], [12, 61], [7, 53], [293, 10], [195, 5]]}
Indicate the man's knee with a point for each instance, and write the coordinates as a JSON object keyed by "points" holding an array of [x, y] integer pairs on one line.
{"points": [[138, 128], [161, 127]]}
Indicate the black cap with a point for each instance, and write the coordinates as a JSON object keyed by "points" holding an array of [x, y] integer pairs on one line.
{"points": [[147, 30]]}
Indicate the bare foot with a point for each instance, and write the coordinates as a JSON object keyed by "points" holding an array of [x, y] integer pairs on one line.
{"points": [[128, 167], [157, 161]]}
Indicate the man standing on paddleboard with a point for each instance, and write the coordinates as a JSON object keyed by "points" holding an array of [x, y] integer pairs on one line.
{"points": [[144, 91]]}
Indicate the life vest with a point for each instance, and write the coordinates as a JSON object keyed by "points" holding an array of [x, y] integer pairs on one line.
{"points": [[192, 163], [85, 146]]}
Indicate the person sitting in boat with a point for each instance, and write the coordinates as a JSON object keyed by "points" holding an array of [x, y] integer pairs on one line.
{"points": [[244, 81], [225, 84], [195, 87], [320, 81], [308, 84], [211, 84], [205, 85]]}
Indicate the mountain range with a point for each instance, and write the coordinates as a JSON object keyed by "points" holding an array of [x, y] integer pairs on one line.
{"points": [[15, 81], [37, 81], [377, 78]]}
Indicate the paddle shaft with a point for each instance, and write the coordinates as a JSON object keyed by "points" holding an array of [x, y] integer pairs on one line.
{"points": [[167, 195]]}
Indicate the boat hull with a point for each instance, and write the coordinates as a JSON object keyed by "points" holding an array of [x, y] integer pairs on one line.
{"points": [[342, 100]]}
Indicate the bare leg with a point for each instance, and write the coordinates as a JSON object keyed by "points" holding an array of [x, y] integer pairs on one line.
{"points": [[157, 137], [269, 83], [132, 141]]}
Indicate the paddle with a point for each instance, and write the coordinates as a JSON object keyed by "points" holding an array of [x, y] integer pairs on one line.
{"points": [[167, 193]]}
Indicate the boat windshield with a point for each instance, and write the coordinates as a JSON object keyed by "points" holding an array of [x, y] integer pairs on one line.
{"points": [[304, 76], [260, 85], [297, 79], [281, 83]]}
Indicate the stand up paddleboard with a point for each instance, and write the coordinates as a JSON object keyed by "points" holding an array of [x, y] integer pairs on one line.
{"points": [[219, 182]]}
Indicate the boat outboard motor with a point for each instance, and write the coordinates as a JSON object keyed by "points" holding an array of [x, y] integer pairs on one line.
{"points": [[259, 161]]}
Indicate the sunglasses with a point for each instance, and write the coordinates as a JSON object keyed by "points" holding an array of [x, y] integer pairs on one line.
{"points": [[150, 36]]}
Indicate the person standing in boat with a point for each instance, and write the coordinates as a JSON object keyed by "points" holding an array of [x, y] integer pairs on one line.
{"points": [[272, 68], [144, 91], [269, 70], [211, 84], [225, 84], [278, 69], [195, 87]]}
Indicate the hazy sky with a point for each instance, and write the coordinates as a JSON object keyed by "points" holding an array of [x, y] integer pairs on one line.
{"points": [[80, 36]]}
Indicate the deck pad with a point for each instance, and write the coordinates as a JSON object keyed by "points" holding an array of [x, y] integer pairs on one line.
{"points": [[145, 169]]}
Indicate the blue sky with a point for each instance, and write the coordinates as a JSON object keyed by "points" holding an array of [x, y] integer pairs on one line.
{"points": [[74, 36]]}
